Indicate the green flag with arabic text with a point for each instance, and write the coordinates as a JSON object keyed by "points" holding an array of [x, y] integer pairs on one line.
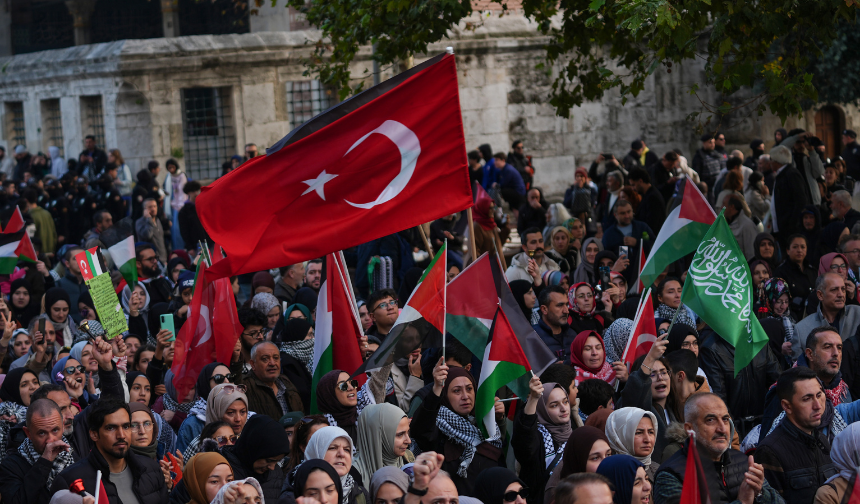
{"points": [[719, 289]]}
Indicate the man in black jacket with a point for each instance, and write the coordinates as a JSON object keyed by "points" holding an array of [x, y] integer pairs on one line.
{"points": [[149, 273], [93, 156], [552, 328], [128, 478], [796, 455], [189, 223], [789, 196], [28, 473], [652, 209]]}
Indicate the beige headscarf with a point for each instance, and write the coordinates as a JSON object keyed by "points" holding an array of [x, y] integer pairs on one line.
{"points": [[374, 442], [218, 402]]}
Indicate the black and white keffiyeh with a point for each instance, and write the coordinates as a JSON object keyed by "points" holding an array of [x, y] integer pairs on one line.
{"points": [[170, 404], [9, 408], [550, 451], [464, 432], [664, 311], [365, 395], [302, 351], [63, 460], [198, 409], [347, 482]]}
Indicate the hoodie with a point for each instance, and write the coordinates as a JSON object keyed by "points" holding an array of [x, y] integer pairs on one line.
{"points": [[518, 270], [58, 164]]}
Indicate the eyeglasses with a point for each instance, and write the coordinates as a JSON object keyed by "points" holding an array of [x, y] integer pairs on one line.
{"points": [[229, 389], [344, 385], [690, 344], [71, 370], [220, 378], [141, 427], [659, 374], [781, 302], [148, 259], [839, 267], [258, 334], [225, 440], [855, 251], [385, 305], [512, 495]]}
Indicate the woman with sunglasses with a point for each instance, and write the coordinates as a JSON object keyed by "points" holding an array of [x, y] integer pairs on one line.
{"points": [[69, 373], [228, 403], [383, 439], [499, 485], [306, 428], [215, 436], [541, 433], [628, 478], [210, 376], [337, 399]]}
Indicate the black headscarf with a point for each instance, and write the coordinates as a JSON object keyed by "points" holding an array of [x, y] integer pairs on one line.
{"points": [[491, 484], [410, 281], [262, 437], [9, 391], [25, 314], [307, 297], [774, 261], [345, 416], [519, 289], [55, 294], [829, 238], [131, 376], [677, 336], [295, 330], [306, 468], [202, 386], [813, 236]]}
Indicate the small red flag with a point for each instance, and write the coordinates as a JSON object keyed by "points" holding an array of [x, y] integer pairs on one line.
{"points": [[643, 334], [695, 489], [386, 160], [211, 331], [16, 222]]}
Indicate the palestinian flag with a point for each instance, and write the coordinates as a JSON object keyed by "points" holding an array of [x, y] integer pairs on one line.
{"points": [[16, 222], [504, 361], [695, 486], [474, 296], [422, 316], [90, 263], [338, 326], [682, 232], [18, 250], [125, 260]]}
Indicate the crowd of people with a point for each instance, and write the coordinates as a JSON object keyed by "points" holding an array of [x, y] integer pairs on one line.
{"points": [[591, 430]]}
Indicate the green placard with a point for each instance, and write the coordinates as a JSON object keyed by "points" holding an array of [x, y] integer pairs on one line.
{"points": [[107, 304]]}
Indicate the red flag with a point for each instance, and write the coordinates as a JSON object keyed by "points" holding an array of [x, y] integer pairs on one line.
{"points": [[386, 160], [643, 334], [640, 286], [211, 331], [695, 489], [16, 222]]}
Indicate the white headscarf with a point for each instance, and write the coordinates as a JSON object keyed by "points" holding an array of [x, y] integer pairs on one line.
{"points": [[845, 452], [318, 445], [219, 497], [621, 429]]}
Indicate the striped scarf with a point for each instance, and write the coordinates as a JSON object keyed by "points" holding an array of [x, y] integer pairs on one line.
{"points": [[463, 432], [549, 449], [606, 373], [63, 460], [172, 405], [303, 351]]}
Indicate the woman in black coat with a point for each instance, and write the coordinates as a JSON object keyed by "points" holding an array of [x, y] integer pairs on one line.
{"points": [[797, 273], [262, 439]]}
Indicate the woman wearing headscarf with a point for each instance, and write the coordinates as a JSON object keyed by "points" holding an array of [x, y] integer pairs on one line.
{"points": [[204, 475], [540, 434], [144, 431], [71, 375], [337, 399], [328, 490], [616, 337], [341, 459], [445, 423], [296, 339], [382, 440], [229, 493], [174, 267], [136, 308], [170, 402], [585, 449], [560, 250], [684, 337], [588, 357], [845, 454], [582, 306], [23, 306], [556, 215], [585, 271], [777, 299], [262, 444], [268, 305], [798, 273], [760, 271], [633, 431], [498, 484], [487, 239], [211, 375], [628, 479], [388, 484], [833, 262], [15, 390], [526, 298], [262, 281], [58, 306], [308, 297], [764, 246], [225, 403]]}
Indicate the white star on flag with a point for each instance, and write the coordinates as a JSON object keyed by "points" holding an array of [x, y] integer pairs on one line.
{"points": [[318, 184]]}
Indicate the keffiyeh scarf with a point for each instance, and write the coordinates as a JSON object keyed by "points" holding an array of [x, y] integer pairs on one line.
{"points": [[666, 312], [463, 432], [550, 452], [10, 408], [347, 482], [198, 409], [303, 351], [172, 405], [63, 460]]}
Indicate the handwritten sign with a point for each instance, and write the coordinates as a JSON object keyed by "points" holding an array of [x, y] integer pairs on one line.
{"points": [[107, 305]]}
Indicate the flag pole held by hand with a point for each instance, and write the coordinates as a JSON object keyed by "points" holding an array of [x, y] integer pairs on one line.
{"points": [[98, 485]]}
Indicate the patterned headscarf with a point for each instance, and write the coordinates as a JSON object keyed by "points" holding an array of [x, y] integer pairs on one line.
{"points": [[616, 337], [773, 289], [604, 372], [571, 299]]}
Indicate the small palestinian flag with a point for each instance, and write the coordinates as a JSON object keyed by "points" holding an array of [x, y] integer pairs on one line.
{"points": [[12, 252], [90, 263], [125, 260]]}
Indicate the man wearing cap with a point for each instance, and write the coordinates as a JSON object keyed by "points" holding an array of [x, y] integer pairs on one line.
{"points": [[708, 163], [789, 196], [6, 163], [289, 422], [851, 154]]}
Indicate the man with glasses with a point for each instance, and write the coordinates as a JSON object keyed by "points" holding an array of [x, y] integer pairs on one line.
{"points": [[832, 311], [382, 307], [150, 275], [269, 391], [849, 245], [250, 151], [128, 478], [27, 473]]}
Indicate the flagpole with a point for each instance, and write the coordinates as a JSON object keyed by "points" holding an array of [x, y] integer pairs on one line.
{"points": [[445, 302], [473, 250], [425, 240]]}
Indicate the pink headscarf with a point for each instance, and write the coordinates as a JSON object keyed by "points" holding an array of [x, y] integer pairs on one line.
{"points": [[827, 260]]}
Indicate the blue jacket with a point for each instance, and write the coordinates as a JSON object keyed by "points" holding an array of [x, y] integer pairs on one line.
{"points": [[191, 428], [558, 343], [614, 238], [508, 178]]}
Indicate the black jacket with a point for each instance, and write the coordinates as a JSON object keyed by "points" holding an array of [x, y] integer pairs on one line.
{"points": [[148, 486], [724, 477], [159, 290], [851, 364], [190, 226], [559, 344], [789, 198], [23, 483], [528, 446], [660, 179], [800, 284], [652, 209], [531, 217], [270, 481], [795, 463], [744, 395]]}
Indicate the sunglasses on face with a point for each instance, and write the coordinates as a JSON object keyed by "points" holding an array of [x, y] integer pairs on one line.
{"points": [[344, 385], [71, 370], [512, 495], [221, 378], [225, 440]]}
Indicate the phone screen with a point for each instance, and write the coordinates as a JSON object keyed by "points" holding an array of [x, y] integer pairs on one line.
{"points": [[604, 277], [623, 250], [167, 323]]}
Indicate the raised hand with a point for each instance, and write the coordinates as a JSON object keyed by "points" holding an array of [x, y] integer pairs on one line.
{"points": [[426, 467], [74, 388], [415, 365], [440, 374], [620, 371], [8, 326], [103, 353], [753, 482], [53, 449]]}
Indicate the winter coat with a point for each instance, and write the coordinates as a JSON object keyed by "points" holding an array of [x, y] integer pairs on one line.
{"points": [[518, 270], [148, 486], [560, 343], [25, 483], [262, 399], [846, 325]]}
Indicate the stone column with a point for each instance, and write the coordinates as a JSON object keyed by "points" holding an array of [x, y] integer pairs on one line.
{"points": [[81, 10], [170, 17]]}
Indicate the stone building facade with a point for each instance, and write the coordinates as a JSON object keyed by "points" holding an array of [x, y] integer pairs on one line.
{"points": [[200, 98]]}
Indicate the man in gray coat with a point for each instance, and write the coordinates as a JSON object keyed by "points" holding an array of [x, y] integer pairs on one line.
{"points": [[149, 229], [832, 311]]}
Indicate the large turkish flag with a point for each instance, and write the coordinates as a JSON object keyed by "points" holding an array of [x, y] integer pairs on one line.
{"points": [[386, 160]]}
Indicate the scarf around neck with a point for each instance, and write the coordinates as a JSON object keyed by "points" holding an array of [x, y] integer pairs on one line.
{"points": [[63, 460], [302, 351], [667, 312], [462, 431], [621, 429]]}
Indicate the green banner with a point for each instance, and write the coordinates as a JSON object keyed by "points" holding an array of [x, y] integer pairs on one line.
{"points": [[107, 304]]}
